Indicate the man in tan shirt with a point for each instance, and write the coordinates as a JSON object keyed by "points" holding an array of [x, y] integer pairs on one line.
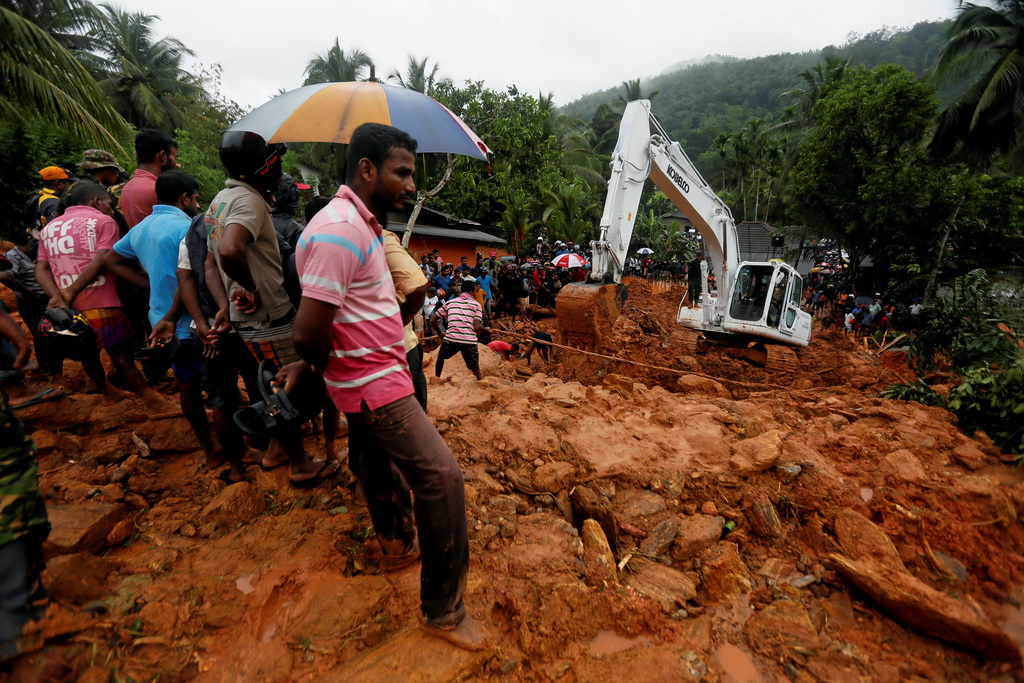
{"points": [[411, 290]]}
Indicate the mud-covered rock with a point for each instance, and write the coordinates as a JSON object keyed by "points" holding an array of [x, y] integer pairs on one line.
{"points": [[552, 477], [236, 504], [723, 572], [932, 612], [666, 586], [757, 454], [171, 434], [597, 554], [660, 537], [695, 533], [693, 384], [77, 578], [764, 519], [81, 527], [970, 456], [781, 629], [862, 539], [902, 466]]}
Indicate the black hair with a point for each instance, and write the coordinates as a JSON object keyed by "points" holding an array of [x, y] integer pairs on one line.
{"points": [[21, 237], [314, 205], [172, 184], [374, 141], [150, 142], [468, 286], [84, 191], [286, 197]]}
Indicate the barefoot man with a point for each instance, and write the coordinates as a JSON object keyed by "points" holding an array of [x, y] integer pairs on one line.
{"points": [[349, 327]]}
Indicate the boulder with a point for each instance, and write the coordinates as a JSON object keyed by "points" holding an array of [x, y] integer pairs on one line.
{"points": [[552, 477], [660, 537], [780, 629], [970, 456], [723, 572], [81, 527], [78, 578], [666, 586], [757, 454], [695, 534], [902, 466], [705, 386], [933, 613], [635, 504], [597, 555], [171, 434], [862, 539], [235, 505]]}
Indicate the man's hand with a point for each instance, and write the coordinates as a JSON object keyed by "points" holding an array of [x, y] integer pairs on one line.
{"points": [[292, 374], [245, 301], [162, 332], [59, 301]]}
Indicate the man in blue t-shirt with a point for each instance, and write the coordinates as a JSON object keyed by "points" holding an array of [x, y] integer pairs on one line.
{"points": [[154, 244]]}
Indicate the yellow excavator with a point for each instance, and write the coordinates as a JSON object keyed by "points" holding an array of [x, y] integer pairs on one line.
{"points": [[754, 302]]}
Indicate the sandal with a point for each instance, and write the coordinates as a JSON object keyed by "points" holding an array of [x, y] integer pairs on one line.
{"points": [[326, 471]]}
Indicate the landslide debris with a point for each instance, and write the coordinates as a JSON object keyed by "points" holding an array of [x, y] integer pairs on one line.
{"points": [[622, 519]]}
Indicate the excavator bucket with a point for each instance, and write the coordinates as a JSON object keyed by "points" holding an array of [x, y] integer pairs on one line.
{"points": [[586, 313]]}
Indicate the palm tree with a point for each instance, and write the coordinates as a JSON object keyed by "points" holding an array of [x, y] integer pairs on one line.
{"points": [[987, 119], [815, 82], [417, 78], [516, 224], [141, 75], [336, 66], [41, 77], [633, 92], [567, 213]]}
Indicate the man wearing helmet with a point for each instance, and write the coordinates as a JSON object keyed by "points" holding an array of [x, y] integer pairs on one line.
{"points": [[349, 327], [243, 246]]}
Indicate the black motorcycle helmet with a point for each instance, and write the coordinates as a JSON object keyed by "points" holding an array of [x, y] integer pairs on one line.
{"points": [[67, 332], [247, 156], [286, 197]]}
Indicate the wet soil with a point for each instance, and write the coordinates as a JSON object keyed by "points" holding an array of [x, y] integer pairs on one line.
{"points": [[720, 488]]}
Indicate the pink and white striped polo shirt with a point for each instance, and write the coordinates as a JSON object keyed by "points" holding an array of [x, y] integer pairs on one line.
{"points": [[340, 260]]}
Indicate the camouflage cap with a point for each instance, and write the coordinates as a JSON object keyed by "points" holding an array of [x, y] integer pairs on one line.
{"points": [[95, 159]]}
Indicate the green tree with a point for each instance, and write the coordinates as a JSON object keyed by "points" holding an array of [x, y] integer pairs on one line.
{"points": [[41, 77], [813, 82], [569, 214], [862, 178], [987, 119], [417, 77], [336, 65], [141, 75], [633, 92]]}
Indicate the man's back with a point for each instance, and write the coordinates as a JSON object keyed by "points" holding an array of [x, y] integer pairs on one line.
{"points": [[459, 314], [69, 243]]}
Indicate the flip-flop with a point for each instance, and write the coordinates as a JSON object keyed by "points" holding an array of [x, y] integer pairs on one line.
{"points": [[43, 395], [225, 476], [327, 471]]}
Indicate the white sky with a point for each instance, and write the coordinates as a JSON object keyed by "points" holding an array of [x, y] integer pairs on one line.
{"points": [[568, 47]]}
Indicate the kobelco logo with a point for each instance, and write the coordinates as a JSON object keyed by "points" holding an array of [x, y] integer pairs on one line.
{"points": [[678, 179]]}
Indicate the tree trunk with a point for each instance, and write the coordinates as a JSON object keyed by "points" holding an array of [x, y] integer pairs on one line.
{"points": [[929, 289], [423, 200]]}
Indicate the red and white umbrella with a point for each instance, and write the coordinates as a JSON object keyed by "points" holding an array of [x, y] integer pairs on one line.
{"points": [[569, 261]]}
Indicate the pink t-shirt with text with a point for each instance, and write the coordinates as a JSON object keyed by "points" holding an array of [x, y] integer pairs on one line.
{"points": [[69, 243]]}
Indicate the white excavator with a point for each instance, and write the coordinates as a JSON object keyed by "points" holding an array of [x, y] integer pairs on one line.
{"points": [[754, 302]]}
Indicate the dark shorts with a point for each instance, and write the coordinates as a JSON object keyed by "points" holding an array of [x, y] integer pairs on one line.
{"points": [[470, 353], [220, 373], [187, 361], [110, 325]]}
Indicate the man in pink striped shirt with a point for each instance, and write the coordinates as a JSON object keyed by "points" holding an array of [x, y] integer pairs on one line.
{"points": [[349, 327]]}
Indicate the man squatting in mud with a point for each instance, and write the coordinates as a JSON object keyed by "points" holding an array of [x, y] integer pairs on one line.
{"points": [[349, 327]]}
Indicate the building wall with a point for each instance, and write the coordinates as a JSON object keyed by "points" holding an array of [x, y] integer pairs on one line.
{"points": [[451, 249]]}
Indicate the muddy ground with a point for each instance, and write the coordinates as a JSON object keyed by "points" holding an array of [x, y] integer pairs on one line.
{"points": [[708, 520]]}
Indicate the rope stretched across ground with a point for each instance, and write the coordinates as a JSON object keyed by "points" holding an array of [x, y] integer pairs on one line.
{"points": [[660, 368]]}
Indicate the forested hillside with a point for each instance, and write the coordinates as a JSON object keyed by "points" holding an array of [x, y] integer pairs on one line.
{"points": [[697, 103]]}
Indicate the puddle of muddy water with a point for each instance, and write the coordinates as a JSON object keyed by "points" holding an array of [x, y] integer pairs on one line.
{"points": [[244, 583], [610, 642], [737, 667]]}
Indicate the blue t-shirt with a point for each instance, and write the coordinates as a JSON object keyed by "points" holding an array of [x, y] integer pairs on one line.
{"points": [[445, 283], [484, 283], [154, 243]]}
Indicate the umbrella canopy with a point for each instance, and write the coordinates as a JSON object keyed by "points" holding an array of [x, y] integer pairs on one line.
{"points": [[330, 112], [645, 250], [569, 261]]}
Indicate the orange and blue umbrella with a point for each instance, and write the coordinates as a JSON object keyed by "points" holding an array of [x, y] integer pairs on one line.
{"points": [[330, 112]]}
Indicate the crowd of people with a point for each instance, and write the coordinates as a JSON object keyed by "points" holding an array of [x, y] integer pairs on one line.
{"points": [[859, 316], [317, 320]]}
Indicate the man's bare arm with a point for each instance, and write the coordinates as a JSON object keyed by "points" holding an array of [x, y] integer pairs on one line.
{"points": [[121, 266]]}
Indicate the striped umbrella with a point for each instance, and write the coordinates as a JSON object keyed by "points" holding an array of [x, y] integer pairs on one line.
{"points": [[330, 112], [569, 261]]}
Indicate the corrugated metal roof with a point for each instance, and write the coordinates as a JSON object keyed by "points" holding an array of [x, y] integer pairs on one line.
{"points": [[451, 233]]}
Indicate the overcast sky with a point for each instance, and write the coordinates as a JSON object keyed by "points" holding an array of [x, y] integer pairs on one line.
{"points": [[568, 47]]}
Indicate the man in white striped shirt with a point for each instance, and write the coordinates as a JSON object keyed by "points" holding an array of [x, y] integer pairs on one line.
{"points": [[463, 320]]}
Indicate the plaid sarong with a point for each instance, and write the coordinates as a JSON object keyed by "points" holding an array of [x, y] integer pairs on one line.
{"points": [[110, 325]]}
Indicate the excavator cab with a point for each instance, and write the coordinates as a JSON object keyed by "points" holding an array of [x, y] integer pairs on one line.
{"points": [[765, 303]]}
